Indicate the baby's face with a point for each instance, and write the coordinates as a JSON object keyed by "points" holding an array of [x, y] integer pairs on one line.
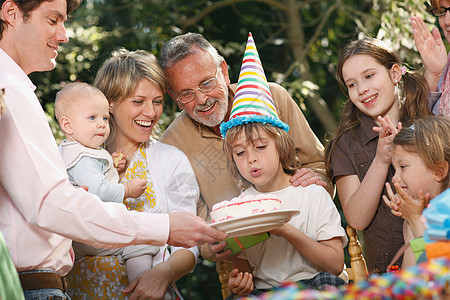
{"points": [[90, 121]]}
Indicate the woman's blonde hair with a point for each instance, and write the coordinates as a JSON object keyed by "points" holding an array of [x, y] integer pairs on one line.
{"points": [[120, 74], [283, 142], [429, 138]]}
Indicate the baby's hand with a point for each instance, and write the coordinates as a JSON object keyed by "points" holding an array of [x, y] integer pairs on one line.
{"points": [[119, 160], [386, 132], [135, 187], [240, 284]]}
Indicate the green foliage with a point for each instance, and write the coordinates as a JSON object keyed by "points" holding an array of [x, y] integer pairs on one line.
{"points": [[203, 283], [396, 28], [54, 126]]}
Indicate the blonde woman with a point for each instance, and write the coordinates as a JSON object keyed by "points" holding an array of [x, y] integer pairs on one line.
{"points": [[134, 85]]}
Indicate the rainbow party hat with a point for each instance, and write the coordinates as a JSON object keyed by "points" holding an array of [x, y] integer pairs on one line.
{"points": [[253, 100]]}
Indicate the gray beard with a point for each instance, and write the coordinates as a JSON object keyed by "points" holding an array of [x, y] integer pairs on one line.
{"points": [[214, 120]]}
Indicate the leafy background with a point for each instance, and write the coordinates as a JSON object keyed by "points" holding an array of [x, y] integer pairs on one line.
{"points": [[298, 42]]}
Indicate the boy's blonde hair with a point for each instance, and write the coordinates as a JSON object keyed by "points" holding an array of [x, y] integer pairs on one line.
{"points": [[283, 142], [67, 99], [430, 139]]}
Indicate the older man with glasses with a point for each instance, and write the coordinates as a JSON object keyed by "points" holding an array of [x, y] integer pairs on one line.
{"points": [[199, 82]]}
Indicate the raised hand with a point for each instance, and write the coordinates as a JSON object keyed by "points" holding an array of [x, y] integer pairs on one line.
{"points": [[403, 204], [409, 208], [431, 49], [386, 132]]}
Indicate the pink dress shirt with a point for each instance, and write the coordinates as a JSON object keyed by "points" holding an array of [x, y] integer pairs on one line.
{"points": [[40, 211]]}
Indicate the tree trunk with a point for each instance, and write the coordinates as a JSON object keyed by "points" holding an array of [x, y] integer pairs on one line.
{"points": [[297, 44]]}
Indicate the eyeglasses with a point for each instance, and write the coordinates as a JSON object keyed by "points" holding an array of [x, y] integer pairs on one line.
{"points": [[204, 87], [437, 12]]}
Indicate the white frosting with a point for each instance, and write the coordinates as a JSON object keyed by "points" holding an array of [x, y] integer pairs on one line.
{"points": [[244, 206]]}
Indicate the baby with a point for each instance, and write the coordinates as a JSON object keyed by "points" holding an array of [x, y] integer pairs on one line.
{"points": [[82, 112]]}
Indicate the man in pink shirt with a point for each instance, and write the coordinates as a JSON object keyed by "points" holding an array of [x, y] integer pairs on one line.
{"points": [[40, 211]]}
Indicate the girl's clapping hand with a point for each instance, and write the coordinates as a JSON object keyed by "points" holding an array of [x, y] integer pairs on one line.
{"points": [[387, 132], [402, 204]]}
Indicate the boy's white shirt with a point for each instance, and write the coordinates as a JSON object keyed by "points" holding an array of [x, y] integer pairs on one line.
{"points": [[276, 260]]}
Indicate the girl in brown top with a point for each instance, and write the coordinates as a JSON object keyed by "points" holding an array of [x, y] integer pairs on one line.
{"points": [[380, 93]]}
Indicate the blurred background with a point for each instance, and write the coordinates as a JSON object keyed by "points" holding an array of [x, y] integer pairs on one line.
{"points": [[298, 42]]}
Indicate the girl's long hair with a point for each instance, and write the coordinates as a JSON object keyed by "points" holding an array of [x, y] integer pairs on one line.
{"points": [[413, 89]]}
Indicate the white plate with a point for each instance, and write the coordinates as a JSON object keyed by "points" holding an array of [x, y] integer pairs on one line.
{"points": [[255, 224]]}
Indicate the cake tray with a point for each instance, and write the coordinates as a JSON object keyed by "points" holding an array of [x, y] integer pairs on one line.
{"points": [[257, 223]]}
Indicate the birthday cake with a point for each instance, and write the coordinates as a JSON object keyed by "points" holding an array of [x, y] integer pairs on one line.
{"points": [[244, 206]]}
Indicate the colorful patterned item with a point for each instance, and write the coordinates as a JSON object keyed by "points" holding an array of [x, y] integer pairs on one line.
{"points": [[253, 100], [428, 280]]}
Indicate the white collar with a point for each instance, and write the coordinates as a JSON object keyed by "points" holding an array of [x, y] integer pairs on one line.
{"points": [[9, 66]]}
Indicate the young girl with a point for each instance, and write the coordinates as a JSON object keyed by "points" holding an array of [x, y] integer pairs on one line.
{"points": [[421, 158], [381, 93], [311, 242]]}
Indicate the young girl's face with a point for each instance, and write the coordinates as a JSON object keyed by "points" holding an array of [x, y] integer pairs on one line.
{"points": [[259, 162], [413, 175], [371, 87]]}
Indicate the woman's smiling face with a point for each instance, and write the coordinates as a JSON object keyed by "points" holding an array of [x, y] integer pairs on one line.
{"points": [[136, 116]]}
